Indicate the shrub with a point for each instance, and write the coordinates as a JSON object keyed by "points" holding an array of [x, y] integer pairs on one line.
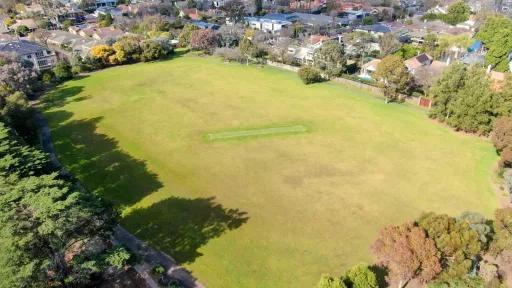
{"points": [[327, 281], [63, 71], [230, 54], [360, 276], [47, 77], [204, 39], [309, 75], [158, 269], [502, 133], [117, 257], [506, 158], [186, 34], [151, 51]]}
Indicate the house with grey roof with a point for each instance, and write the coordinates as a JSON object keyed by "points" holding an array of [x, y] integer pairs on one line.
{"points": [[319, 20], [41, 57]]}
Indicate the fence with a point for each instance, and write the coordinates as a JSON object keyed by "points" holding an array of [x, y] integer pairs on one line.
{"points": [[419, 101]]}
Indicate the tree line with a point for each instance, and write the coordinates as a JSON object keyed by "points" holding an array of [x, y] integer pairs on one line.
{"points": [[437, 250], [53, 233]]}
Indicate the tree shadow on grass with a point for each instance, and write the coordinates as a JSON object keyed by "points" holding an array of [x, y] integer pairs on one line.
{"points": [[61, 95], [181, 226], [178, 226], [98, 162], [381, 273]]}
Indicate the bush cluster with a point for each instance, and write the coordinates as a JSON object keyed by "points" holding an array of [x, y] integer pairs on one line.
{"points": [[309, 75]]}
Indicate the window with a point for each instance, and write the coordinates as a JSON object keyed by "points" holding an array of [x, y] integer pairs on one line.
{"points": [[39, 54], [42, 63]]}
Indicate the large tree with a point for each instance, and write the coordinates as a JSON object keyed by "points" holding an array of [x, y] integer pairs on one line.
{"points": [[501, 135], [393, 77], [496, 34], [445, 91], [457, 242], [458, 12], [388, 44], [475, 107], [503, 231], [235, 11], [360, 276], [330, 58], [15, 76], [204, 39], [42, 218], [408, 254]]}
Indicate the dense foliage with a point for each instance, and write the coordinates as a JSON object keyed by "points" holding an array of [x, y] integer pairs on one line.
{"points": [[17, 81], [47, 224], [330, 59], [359, 276], [204, 39], [393, 77], [128, 49], [496, 34], [309, 75], [463, 98]]}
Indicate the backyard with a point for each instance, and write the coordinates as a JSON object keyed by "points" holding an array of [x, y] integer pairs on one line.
{"points": [[248, 177]]}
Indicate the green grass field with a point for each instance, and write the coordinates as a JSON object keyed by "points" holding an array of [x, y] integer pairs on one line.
{"points": [[265, 210]]}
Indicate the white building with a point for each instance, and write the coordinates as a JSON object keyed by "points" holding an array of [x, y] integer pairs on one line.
{"points": [[368, 69], [267, 25]]}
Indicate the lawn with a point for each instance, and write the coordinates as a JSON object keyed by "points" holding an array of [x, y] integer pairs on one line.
{"points": [[295, 181]]}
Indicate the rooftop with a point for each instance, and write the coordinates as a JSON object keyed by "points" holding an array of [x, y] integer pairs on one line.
{"points": [[21, 47]]}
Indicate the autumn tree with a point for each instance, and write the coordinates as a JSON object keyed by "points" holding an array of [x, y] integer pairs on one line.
{"points": [[496, 34], [408, 254], [456, 241], [204, 39], [501, 135], [330, 58], [503, 231], [127, 50], [393, 77], [104, 54]]}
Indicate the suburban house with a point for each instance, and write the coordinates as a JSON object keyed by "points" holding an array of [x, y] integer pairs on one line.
{"points": [[368, 69], [305, 54], [105, 33], [41, 57], [267, 25], [506, 7], [319, 20], [425, 69], [106, 3], [29, 23], [375, 30], [205, 25]]}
